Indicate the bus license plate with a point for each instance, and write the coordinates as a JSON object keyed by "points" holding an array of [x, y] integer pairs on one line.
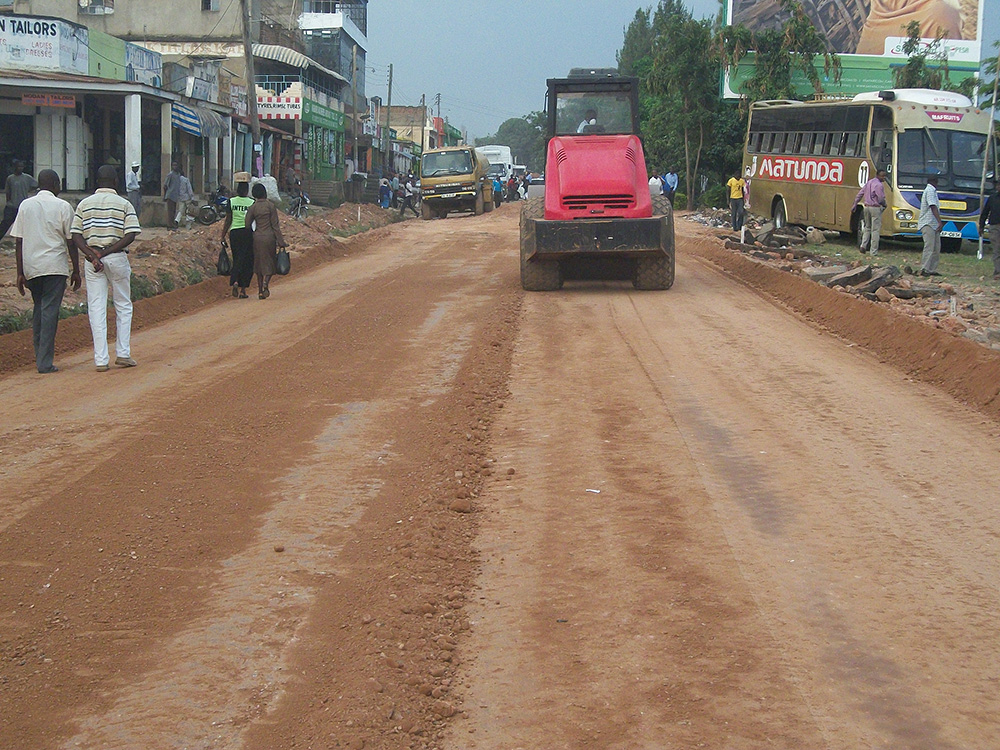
{"points": [[953, 205], [447, 195]]}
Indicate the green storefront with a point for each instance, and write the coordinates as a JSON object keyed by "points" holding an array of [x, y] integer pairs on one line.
{"points": [[324, 141]]}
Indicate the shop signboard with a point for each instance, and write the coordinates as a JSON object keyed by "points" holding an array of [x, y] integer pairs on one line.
{"points": [[315, 113], [868, 35], [107, 56], [279, 107], [61, 101], [143, 65], [40, 43]]}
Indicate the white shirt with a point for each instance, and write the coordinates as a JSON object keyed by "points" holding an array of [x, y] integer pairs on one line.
{"points": [[655, 186], [132, 181], [43, 223], [927, 199]]}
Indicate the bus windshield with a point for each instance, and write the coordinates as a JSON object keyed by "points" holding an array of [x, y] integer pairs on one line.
{"points": [[957, 156], [437, 164]]}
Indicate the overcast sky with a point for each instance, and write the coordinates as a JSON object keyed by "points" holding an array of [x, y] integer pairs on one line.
{"points": [[489, 60]]}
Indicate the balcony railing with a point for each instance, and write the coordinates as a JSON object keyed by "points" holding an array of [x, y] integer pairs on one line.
{"points": [[296, 86]]}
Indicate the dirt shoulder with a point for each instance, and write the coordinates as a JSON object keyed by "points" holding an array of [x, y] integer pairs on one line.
{"points": [[912, 335], [174, 273]]}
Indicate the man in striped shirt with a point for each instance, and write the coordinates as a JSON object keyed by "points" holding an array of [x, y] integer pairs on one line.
{"points": [[103, 227]]}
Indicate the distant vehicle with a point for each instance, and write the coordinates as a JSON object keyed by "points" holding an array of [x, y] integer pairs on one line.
{"points": [[807, 160], [500, 159], [454, 179], [536, 188], [597, 217]]}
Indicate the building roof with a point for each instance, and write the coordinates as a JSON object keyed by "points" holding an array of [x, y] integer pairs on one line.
{"points": [[291, 57]]}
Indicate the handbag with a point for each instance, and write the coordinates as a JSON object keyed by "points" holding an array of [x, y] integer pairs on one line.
{"points": [[224, 265], [282, 264]]}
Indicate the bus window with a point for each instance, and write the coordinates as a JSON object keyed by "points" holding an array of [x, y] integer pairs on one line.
{"points": [[881, 148], [967, 154], [779, 143], [805, 145], [851, 144], [822, 145], [765, 142], [837, 143]]}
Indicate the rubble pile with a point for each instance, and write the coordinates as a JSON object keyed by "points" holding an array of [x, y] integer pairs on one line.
{"points": [[969, 313]]}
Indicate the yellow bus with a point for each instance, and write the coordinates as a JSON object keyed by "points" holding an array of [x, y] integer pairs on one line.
{"points": [[807, 160]]}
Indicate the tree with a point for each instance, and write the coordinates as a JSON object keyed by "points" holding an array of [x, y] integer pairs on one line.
{"points": [[917, 73], [685, 74], [635, 56], [778, 54], [526, 138]]}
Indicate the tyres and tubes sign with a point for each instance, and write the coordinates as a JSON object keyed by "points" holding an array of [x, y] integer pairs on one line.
{"points": [[868, 35]]}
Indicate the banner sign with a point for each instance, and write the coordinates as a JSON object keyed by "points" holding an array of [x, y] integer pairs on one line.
{"points": [[315, 113], [869, 36], [799, 169], [143, 65], [27, 42], [279, 107], [67, 101]]}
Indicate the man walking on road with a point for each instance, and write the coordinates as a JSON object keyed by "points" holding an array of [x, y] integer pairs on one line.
{"points": [[184, 196], [872, 194], [19, 186], [172, 193], [104, 226], [930, 225], [408, 195], [990, 217], [133, 188], [45, 250]]}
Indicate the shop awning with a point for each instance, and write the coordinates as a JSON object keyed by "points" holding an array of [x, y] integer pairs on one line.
{"points": [[199, 121], [290, 57]]}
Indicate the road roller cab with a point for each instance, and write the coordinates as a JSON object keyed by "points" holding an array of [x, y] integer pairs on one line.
{"points": [[597, 217]]}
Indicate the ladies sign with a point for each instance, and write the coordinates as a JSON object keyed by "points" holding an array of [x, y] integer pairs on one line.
{"points": [[36, 43]]}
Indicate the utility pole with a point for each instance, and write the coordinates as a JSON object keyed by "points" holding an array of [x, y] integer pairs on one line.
{"points": [[251, 90], [438, 100], [354, 104], [986, 151], [388, 116], [423, 124]]}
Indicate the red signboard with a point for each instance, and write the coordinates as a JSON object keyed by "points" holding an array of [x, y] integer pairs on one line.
{"points": [[67, 101], [945, 116]]}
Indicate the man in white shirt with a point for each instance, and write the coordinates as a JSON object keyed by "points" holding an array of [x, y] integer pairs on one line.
{"points": [[133, 188], [930, 225], [45, 250]]}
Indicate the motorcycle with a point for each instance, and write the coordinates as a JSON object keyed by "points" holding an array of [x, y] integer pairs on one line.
{"points": [[299, 204], [213, 211]]}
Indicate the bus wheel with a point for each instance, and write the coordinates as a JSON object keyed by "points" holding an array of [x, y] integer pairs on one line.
{"points": [[778, 214], [951, 244]]}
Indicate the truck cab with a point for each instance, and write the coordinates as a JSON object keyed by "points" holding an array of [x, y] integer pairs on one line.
{"points": [[454, 179], [597, 216]]}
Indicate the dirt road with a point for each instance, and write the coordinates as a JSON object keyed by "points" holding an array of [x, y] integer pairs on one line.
{"points": [[696, 521]]}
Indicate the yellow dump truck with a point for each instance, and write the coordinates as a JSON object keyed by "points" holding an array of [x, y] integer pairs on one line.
{"points": [[454, 179]]}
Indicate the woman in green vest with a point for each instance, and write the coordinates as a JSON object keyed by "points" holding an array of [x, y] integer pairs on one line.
{"points": [[240, 236]]}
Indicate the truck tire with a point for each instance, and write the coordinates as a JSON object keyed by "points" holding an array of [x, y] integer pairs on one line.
{"points": [[487, 204], [536, 275], [657, 271], [426, 212], [480, 206]]}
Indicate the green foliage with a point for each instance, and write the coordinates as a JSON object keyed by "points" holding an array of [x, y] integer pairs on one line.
{"points": [[779, 53], [142, 288], [680, 199], [684, 77], [68, 311], [526, 138], [917, 73], [714, 197], [167, 283], [12, 321], [634, 58], [193, 276]]}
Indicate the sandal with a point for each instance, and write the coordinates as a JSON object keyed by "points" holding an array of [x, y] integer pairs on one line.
{"points": [[236, 290], [260, 295], [267, 292], [243, 294]]}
